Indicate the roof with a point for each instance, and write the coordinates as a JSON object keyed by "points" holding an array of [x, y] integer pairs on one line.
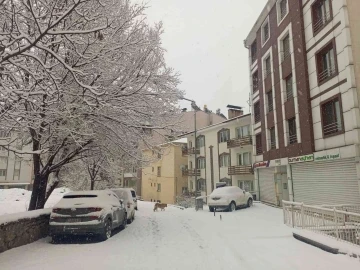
{"points": [[234, 107], [218, 124], [181, 140], [264, 13]]}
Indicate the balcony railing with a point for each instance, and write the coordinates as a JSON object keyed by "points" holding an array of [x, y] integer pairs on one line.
{"points": [[327, 73], [322, 21], [190, 151], [292, 139], [332, 128], [190, 172], [267, 72], [237, 142], [259, 150], [240, 169], [284, 55]]}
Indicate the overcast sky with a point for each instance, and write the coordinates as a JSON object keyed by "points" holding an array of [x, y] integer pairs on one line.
{"points": [[204, 43]]}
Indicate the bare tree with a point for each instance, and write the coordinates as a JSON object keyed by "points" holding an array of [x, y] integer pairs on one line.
{"points": [[77, 72]]}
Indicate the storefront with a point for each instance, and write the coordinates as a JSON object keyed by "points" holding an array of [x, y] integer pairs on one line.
{"points": [[326, 179], [266, 182]]}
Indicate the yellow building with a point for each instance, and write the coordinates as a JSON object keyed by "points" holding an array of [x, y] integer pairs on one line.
{"points": [[162, 179]]}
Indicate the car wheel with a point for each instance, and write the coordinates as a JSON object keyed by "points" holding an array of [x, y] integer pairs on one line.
{"points": [[129, 220], [232, 207], [250, 202], [124, 223], [107, 230], [55, 239], [211, 209], [133, 217]]}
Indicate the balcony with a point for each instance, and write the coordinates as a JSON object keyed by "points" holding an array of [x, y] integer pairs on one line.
{"points": [[190, 151], [190, 172], [238, 142], [240, 169]]}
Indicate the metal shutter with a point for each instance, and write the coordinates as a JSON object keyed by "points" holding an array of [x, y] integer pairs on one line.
{"points": [[267, 185], [329, 182]]}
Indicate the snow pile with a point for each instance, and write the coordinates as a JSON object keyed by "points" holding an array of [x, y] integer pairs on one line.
{"points": [[24, 215], [17, 200]]}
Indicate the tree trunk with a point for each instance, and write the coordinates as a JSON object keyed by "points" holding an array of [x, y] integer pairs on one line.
{"points": [[92, 184], [42, 192], [37, 180]]}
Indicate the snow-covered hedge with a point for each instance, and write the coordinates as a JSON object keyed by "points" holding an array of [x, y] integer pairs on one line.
{"points": [[23, 228]]}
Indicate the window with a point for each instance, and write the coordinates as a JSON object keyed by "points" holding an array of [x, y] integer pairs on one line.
{"points": [[282, 9], [191, 185], [184, 190], [253, 51], [2, 172], [255, 81], [269, 97], [159, 171], [289, 87], [3, 160], [3, 133], [190, 164], [242, 132], [158, 187], [257, 112], [332, 117], [150, 184], [326, 63], [285, 48], [265, 31], [258, 144], [17, 173], [267, 67], [292, 131], [2, 149], [152, 169], [201, 163], [244, 159], [224, 135], [201, 184], [224, 160], [246, 185], [200, 141], [190, 144], [321, 14], [272, 138]]}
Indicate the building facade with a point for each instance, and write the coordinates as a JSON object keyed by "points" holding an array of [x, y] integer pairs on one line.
{"points": [[304, 74], [223, 154], [163, 179], [15, 169]]}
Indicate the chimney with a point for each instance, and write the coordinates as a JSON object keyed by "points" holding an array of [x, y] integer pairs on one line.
{"points": [[234, 111]]}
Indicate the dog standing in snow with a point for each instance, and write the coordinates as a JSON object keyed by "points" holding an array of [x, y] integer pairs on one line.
{"points": [[160, 205]]}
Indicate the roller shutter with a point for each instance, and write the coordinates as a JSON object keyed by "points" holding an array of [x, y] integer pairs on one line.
{"points": [[267, 185], [328, 182]]}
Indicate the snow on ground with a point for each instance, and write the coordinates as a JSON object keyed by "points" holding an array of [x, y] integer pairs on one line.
{"points": [[248, 239], [17, 200]]}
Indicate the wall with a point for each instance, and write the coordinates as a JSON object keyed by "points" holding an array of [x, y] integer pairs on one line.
{"points": [[24, 229]]}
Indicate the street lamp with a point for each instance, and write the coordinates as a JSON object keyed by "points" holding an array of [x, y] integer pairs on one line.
{"points": [[195, 108]]}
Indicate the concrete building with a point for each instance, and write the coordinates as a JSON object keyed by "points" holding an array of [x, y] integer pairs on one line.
{"points": [[304, 62], [162, 180], [224, 154], [15, 170]]}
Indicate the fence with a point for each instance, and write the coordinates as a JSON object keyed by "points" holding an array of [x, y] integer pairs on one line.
{"points": [[342, 225]]}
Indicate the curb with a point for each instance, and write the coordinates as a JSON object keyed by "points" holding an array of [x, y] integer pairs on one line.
{"points": [[316, 244]]}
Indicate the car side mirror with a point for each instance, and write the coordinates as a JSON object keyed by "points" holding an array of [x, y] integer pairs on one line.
{"points": [[121, 201]]}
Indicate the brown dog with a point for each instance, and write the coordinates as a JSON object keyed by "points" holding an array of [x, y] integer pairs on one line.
{"points": [[160, 205]]}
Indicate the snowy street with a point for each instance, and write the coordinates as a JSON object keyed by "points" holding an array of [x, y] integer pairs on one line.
{"points": [[252, 238]]}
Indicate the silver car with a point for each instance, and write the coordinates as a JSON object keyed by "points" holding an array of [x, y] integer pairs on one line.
{"points": [[87, 212]]}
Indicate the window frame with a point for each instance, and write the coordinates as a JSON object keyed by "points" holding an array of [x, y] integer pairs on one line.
{"points": [[239, 132], [257, 112], [201, 159], [158, 171], [313, 16], [288, 54], [278, 11], [267, 72], [286, 87], [255, 89], [266, 22], [270, 101], [5, 172], [240, 161], [158, 189], [243, 186], [222, 131], [257, 143], [200, 141], [318, 55], [252, 54], [288, 122], [272, 135], [338, 97], [222, 159]]}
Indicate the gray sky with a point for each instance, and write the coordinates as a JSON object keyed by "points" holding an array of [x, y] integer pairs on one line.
{"points": [[204, 43]]}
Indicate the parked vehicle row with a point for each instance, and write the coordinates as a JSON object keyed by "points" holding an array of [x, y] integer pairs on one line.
{"points": [[93, 212]]}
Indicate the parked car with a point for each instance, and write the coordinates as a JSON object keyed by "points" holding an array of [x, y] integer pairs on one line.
{"points": [[125, 194], [87, 212], [229, 198], [135, 199]]}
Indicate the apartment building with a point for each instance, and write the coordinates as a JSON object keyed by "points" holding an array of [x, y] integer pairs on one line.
{"points": [[15, 170], [304, 73], [223, 154], [162, 179]]}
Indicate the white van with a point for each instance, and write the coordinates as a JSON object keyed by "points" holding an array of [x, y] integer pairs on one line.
{"points": [[126, 195]]}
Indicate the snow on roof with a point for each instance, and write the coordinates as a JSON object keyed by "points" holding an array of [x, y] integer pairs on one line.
{"points": [[182, 140], [23, 215]]}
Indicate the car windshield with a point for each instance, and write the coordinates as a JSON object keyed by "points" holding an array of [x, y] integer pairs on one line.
{"points": [[133, 194]]}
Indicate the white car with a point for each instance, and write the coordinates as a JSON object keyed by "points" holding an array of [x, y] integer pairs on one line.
{"points": [[229, 198], [87, 212], [125, 194]]}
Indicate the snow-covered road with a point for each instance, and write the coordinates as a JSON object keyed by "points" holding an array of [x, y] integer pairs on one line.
{"points": [[252, 238]]}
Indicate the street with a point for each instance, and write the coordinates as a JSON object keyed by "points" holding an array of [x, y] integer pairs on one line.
{"points": [[252, 238]]}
